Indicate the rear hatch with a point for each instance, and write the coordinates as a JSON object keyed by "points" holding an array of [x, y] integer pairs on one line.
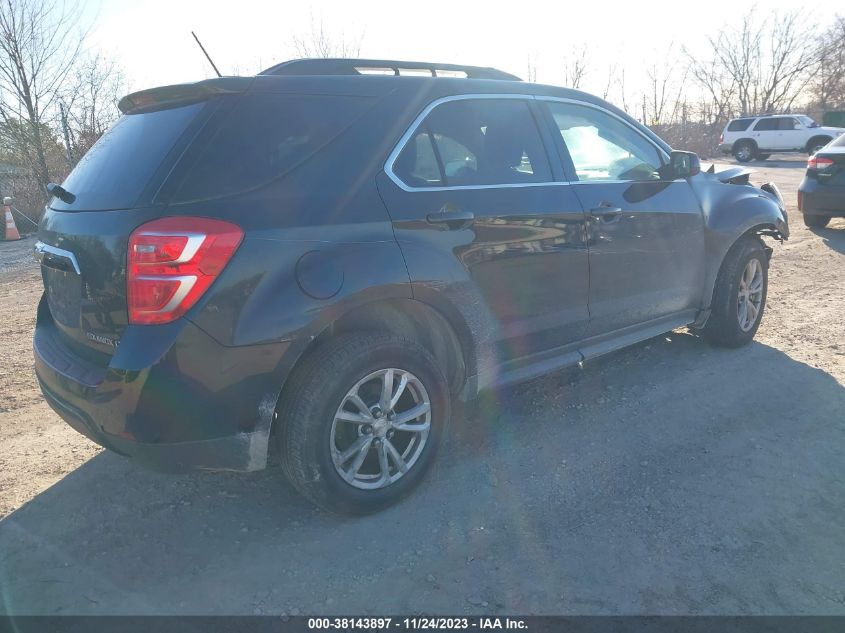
{"points": [[177, 148], [83, 238]]}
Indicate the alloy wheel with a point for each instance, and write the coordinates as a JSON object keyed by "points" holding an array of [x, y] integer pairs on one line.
{"points": [[750, 295], [380, 428]]}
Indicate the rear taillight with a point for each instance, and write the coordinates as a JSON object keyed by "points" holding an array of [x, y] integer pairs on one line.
{"points": [[172, 262], [819, 162], [722, 137]]}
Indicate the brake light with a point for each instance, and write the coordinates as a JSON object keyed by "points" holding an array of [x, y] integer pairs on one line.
{"points": [[172, 262], [819, 162], [722, 137]]}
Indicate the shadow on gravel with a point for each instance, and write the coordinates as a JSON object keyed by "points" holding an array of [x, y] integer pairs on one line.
{"points": [[667, 478], [833, 237]]}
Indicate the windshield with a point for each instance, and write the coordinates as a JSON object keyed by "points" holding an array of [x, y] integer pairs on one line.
{"points": [[807, 121]]}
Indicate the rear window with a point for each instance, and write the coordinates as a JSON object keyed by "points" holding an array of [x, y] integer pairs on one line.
{"points": [[117, 169], [739, 125], [839, 142], [260, 137]]}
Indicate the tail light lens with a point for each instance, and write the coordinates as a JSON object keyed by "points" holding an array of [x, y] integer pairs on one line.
{"points": [[722, 137], [818, 162], [172, 262]]}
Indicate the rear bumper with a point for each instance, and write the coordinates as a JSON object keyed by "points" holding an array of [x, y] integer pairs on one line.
{"points": [[819, 199], [171, 398]]}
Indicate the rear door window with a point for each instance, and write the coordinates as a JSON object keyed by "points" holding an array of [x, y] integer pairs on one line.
{"points": [[260, 137], [475, 142], [118, 168], [768, 124]]}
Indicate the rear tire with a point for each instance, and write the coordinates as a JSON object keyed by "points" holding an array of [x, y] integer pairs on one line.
{"points": [[743, 280], [816, 221], [745, 151], [322, 421], [762, 157]]}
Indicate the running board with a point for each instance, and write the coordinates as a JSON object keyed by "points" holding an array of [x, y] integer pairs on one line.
{"points": [[570, 355]]}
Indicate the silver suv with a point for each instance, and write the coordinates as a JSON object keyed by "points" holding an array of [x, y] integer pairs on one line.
{"points": [[757, 137]]}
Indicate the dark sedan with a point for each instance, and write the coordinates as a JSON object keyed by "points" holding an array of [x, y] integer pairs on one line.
{"points": [[821, 195]]}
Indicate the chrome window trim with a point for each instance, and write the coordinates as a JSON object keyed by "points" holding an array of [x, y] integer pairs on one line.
{"points": [[409, 133], [41, 248]]}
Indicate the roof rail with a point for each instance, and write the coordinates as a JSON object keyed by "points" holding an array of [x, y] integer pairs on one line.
{"points": [[348, 66]]}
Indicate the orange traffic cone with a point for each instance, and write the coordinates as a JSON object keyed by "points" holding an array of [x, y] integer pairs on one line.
{"points": [[11, 229]]}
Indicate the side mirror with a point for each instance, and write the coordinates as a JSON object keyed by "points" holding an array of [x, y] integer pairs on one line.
{"points": [[683, 165]]}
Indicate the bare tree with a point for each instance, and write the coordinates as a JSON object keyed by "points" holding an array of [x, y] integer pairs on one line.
{"points": [[39, 44], [575, 66], [665, 88], [531, 70], [320, 43], [90, 102], [828, 86], [764, 64]]}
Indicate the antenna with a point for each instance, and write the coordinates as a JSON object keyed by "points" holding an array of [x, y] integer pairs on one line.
{"points": [[202, 48]]}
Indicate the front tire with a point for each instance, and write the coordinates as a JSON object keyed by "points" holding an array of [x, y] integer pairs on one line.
{"points": [[816, 221], [362, 419], [739, 297], [745, 151]]}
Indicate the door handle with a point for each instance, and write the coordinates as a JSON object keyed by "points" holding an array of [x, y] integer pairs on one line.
{"points": [[452, 219], [607, 213]]}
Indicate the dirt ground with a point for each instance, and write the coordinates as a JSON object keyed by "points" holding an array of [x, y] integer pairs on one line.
{"points": [[670, 478]]}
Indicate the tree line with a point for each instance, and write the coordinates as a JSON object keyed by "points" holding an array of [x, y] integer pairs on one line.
{"points": [[768, 62], [57, 98]]}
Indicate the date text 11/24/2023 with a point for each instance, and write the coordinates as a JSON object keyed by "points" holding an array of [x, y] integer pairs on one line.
{"points": [[417, 623]]}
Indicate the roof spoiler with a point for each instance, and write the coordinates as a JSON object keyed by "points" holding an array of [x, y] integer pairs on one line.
{"points": [[346, 66], [169, 96]]}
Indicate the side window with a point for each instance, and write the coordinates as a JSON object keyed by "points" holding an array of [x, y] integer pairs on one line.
{"points": [[418, 163], [739, 125], [767, 124], [604, 148], [788, 123], [475, 142]]}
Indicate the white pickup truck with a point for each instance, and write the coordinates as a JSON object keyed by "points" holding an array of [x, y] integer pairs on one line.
{"points": [[757, 137]]}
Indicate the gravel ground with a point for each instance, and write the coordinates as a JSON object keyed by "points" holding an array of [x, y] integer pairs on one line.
{"points": [[669, 478]]}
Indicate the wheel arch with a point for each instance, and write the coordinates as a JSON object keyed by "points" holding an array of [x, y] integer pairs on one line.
{"points": [[731, 213], [445, 335], [742, 140], [816, 139], [756, 231]]}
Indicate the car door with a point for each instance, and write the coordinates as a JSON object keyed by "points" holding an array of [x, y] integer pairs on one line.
{"points": [[482, 221], [766, 133], [791, 134], [645, 233]]}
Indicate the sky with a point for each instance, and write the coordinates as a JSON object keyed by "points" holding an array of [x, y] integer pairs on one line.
{"points": [[152, 38]]}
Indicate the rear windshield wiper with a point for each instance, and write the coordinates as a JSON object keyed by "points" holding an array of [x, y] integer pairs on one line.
{"points": [[61, 193]]}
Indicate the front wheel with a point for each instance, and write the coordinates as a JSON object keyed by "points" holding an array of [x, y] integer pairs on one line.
{"points": [[739, 297], [361, 421]]}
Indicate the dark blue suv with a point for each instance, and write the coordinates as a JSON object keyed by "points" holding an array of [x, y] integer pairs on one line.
{"points": [[331, 253]]}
